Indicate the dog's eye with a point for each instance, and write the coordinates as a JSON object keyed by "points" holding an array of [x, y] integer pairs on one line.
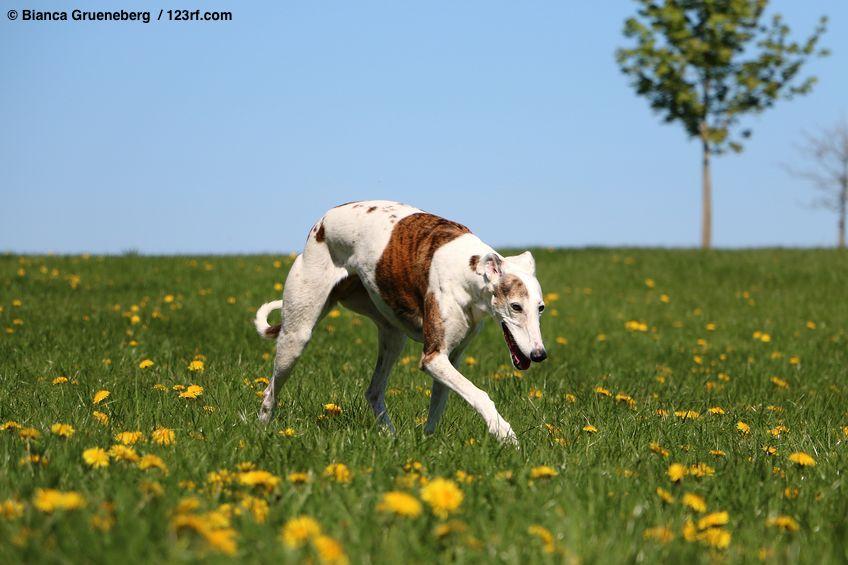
{"points": [[516, 307], [541, 308]]}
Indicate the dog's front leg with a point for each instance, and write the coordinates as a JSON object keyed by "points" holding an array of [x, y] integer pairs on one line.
{"points": [[439, 367]]}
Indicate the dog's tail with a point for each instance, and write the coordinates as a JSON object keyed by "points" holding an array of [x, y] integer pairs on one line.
{"points": [[265, 329]]}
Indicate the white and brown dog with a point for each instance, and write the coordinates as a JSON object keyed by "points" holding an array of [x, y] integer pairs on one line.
{"points": [[417, 275]]}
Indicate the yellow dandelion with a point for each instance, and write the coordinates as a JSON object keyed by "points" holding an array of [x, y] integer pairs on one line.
{"points": [[779, 383], [786, 523], [601, 391], [665, 496], [129, 438], [298, 477], [695, 502], [297, 531], [544, 535], [62, 430], [49, 500], [123, 453], [100, 417], [443, 496], [658, 533], [716, 410], [338, 472], [543, 472], [329, 550], [11, 509], [163, 436], [802, 459], [743, 427], [258, 478], [676, 472], [400, 503], [60, 380], [590, 428], [196, 366], [332, 409], [96, 457], [192, 391], [151, 461], [713, 520], [145, 364]]}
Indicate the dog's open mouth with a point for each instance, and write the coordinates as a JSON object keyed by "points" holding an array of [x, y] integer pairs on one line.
{"points": [[520, 360]]}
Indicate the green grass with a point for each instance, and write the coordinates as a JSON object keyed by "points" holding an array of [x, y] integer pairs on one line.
{"points": [[597, 507]]}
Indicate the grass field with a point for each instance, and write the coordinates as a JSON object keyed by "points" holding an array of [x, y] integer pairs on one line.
{"points": [[709, 368]]}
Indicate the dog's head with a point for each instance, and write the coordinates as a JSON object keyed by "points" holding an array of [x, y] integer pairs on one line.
{"points": [[517, 304]]}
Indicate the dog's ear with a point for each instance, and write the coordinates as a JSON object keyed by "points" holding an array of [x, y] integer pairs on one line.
{"points": [[524, 262], [490, 268]]}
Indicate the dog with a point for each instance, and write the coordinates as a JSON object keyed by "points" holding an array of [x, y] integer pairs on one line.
{"points": [[415, 275]]}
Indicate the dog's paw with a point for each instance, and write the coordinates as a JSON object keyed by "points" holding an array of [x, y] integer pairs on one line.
{"points": [[503, 431]]}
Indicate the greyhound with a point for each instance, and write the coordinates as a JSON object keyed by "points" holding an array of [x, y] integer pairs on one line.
{"points": [[414, 275]]}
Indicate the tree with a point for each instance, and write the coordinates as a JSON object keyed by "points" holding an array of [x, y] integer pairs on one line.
{"points": [[706, 63], [827, 152]]}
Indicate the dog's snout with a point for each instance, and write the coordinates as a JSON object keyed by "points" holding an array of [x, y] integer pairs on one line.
{"points": [[538, 355]]}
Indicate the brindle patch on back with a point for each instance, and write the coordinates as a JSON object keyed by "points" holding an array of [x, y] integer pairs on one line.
{"points": [[510, 288], [473, 261], [403, 271], [320, 235]]}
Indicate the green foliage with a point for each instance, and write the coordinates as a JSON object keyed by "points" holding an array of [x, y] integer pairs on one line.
{"points": [[691, 348], [706, 63]]}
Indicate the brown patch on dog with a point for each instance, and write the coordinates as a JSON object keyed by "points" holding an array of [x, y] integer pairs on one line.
{"points": [[320, 235], [371, 209], [403, 271], [510, 288], [434, 330], [472, 262]]}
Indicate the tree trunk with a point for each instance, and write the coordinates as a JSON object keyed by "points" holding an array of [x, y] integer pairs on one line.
{"points": [[706, 199]]}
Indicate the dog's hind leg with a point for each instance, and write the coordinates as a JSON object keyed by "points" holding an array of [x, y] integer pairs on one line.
{"points": [[307, 291], [391, 343]]}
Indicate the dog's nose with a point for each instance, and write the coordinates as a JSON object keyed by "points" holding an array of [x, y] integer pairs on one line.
{"points": [[538, 355]]}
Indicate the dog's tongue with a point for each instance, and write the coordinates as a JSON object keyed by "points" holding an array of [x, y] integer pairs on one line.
{"points": [[518, 359]]}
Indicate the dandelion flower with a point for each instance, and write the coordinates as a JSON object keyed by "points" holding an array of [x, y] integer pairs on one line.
{"points": [[163, 436], [11, 509], [259, 478], [151, 461], [658, 533], [695, 502], [129, 438], [196, 366], [802, 459], [192, 391], [400, 503], [62, 430], [329, 550], [100, 417], [298, 477], [676, 472], [544, 535], [145, 364], [332, 409], [543, 472], [60, 380], [339, 472], [297, 531], [96, 457], [786, 523], [665, 496], [743, 427], [49, 500], [713, 520], [443, 496], [123, 453]]}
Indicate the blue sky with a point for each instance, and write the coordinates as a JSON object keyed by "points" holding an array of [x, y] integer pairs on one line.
{"points": [[512, 118]]}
